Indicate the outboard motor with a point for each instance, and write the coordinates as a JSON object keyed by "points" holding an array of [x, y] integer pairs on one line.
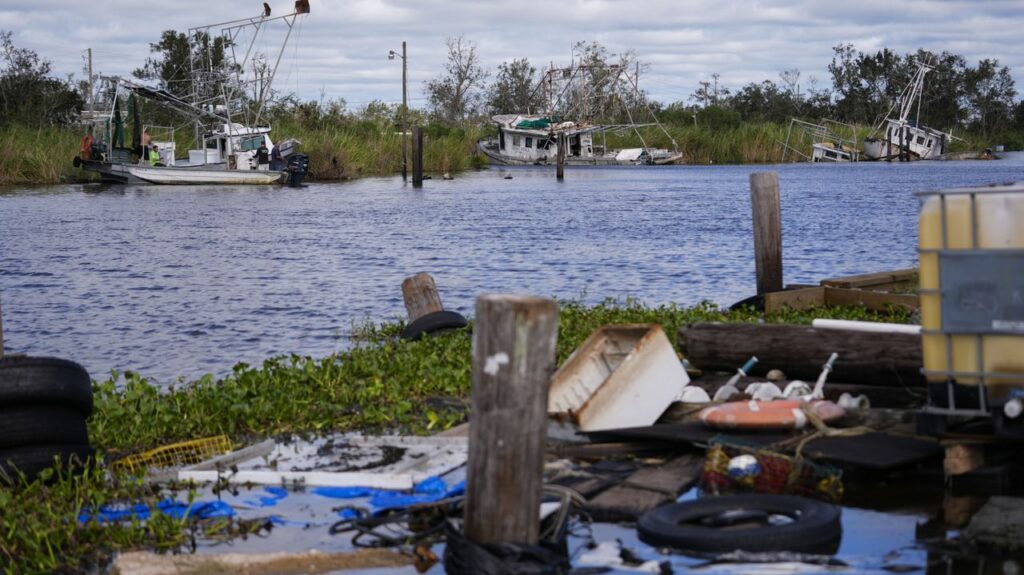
{"points": [[298, 165]]}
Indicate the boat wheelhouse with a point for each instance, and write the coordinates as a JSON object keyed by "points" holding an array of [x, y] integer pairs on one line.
{"points": [[904, 138]]}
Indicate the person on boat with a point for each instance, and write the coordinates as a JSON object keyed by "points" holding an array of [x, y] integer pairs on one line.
{"points": [[154, 156], [86, 151], [262, 157], [147, 139], [276, 161]]}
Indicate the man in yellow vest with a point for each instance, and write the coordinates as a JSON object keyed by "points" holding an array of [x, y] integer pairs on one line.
{"points": [[154, 156]]}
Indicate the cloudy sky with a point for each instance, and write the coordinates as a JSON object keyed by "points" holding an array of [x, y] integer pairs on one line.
{"points": [[340, 49]]}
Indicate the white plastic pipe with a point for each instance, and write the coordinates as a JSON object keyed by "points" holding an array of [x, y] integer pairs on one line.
{"points": [[868, 326]]}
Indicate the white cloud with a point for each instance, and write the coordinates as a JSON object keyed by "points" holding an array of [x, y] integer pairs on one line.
{"points": [[341, 47]]}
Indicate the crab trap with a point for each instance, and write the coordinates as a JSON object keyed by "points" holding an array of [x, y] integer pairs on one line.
{"points": [[734, 466]]}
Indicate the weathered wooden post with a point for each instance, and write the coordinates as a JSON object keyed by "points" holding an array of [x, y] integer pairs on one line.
{"points": [[766, 203], [1, 330], [420, 295], [417, 157], [426, 312], [560, 158], [513, 359]]}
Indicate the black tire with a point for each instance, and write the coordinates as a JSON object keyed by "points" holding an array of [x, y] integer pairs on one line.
{"points": [[26, 425], [45, 380], [433, 322], [32, 460], [700, 525]]}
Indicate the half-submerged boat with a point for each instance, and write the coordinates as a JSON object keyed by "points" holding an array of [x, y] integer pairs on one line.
{"points": [[902, 137], [232, 145], [525, 139], [583, 93], [826, 143]]}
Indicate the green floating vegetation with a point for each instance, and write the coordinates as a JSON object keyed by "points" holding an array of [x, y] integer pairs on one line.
{"points": [[381, 384]]}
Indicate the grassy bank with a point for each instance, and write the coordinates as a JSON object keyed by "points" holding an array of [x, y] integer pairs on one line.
{"points": [[382, 384], [358, 148], [38, 155]]}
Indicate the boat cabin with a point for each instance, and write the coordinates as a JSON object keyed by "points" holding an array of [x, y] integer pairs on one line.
{"points": [[232, 143], [533, 139]]}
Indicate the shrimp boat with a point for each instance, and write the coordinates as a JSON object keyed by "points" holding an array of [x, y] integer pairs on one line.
{"points": [[232, 143], [576, 92], [904, 138]]}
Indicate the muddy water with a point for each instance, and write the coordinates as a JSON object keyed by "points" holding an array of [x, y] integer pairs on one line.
{"points": [[181, 281]]}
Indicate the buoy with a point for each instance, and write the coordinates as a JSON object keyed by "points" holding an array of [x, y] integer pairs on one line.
{"points": [[781, 414]]}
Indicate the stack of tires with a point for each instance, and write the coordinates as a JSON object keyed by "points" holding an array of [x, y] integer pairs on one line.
{"points": [[44, 403]]}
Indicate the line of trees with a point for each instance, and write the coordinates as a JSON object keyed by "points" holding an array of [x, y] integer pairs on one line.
{"points": [[980, 98]]}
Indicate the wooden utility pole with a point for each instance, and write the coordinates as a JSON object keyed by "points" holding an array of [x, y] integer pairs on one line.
{"points": [[417, 157], [88, 99], [513, 359], [767, 209], [421, 296], [405, 116]]}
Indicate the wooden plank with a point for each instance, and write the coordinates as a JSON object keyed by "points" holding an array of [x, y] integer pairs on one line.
{"points": [[646, 489], [767, 209], [794, 299], [879, 281], [874, 300], [513, 359], [799, 351], [871, 451]]}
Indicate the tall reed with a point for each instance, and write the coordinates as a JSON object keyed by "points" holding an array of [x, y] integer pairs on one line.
{"points": [[37, 155]]}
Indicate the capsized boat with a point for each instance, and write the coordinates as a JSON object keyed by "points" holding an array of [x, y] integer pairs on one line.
{"points": [[903, 137], [232, 145]]}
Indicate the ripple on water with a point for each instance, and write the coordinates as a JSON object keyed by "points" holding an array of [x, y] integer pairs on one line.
{"points": [[178, 282]]}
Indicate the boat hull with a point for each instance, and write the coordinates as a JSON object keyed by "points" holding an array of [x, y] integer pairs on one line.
{"points": [[488, 147], [170, 176]]}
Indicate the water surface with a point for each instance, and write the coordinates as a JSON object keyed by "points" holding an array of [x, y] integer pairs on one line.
{"points": [[180, 281]]}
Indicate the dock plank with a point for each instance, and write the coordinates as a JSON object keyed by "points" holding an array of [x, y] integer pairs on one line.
{"points": [[646, 489]]}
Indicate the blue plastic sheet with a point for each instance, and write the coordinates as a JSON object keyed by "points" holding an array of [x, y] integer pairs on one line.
{"points": [[140, 511], [272, 497], [427, 491]]}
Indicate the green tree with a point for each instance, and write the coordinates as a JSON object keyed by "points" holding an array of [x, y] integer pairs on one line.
{"points": [[28, 94], [457, 94], [515, 89], [990, 95]]}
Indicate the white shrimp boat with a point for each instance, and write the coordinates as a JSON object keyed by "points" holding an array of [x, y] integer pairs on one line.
{"points": [[903, 137], [525, 139], [226, 151]]}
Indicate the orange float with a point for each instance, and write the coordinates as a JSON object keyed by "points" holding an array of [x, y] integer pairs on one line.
{"points": [[779, 414]]}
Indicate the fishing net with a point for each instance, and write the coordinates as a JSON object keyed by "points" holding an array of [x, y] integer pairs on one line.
{"points": [[176, 454]]}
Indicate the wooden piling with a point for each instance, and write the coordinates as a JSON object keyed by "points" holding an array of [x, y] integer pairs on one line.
{"points": [[767, 208], [513, 359], [417, 157], [421, 296], [1, 330], [560, 158]]}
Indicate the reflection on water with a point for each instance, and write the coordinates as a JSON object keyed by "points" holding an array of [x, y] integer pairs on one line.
{"points": [[183, 281]]}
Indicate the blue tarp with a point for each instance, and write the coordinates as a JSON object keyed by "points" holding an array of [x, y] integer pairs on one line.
{"points": [[427, 491], [140, 511]]}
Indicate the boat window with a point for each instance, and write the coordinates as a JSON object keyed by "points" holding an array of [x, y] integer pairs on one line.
{"points": [[529, 142], [515, 140], [830, 154], [211, 144], [501, 141], [251, 143], [930, 142], [920, 139]]}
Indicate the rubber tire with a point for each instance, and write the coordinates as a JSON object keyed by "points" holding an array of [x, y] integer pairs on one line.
{"points": [[26, 425], [32, 460], [45, 380], [817, 530], [433, 322]]}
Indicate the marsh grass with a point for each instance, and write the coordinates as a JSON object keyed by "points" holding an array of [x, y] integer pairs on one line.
{"points": [[38, 155]]}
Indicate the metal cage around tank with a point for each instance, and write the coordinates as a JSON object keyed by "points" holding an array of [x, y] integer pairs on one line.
{"points": [[972, 299]]}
